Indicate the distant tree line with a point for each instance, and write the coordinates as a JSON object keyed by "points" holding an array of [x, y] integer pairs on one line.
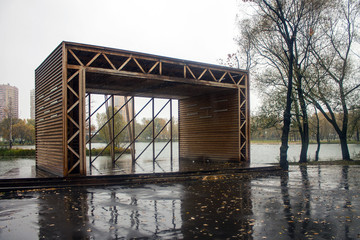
{"points": [[269, 128], [145, 129], [17, 131]]}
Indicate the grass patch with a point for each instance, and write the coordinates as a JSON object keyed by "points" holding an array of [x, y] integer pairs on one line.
{"points": [[17, 152], [278, 141], [4, 152], [334, 162], [275, 142]]}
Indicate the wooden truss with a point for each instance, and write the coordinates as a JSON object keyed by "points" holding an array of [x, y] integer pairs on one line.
{"points": [[73, 70]]}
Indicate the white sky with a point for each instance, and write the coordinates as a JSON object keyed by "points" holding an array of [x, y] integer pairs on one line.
{"points": [[198, 30]]}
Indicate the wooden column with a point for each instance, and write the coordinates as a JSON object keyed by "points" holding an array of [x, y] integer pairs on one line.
{"points": [[82, 122]]}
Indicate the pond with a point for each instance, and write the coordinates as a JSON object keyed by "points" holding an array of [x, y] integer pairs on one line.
{"points": [[267, 153], [261, 154]]}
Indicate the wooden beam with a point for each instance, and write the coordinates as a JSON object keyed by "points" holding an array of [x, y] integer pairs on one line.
{"points": [[202, 74], [247, 117], [238, 83], [72, 76], [149, 57], [93, 59], [82, 122], [74, 166], [232, 79], [138, 64], [77, 59], [72, 90], [153, 67], [160, 78], [222, 77], [72, 107], [192, 74], [124, 64], [108, 60], [212, 75], [64, 109], [73, 136], [73, 121], [73, 151]]}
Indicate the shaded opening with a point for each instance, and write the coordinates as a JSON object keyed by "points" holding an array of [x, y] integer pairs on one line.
{"points": [[127, 135], [204, 134]]}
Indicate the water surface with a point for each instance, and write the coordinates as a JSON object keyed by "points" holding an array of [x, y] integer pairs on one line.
{"points": [[261, 155], [315, 202]]}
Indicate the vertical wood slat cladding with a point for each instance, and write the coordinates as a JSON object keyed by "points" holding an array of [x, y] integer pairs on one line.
{"points": [[209, 127], [49, 114]]}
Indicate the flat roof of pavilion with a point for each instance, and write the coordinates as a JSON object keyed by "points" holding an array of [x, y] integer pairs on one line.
{"points": [[122, 72]]}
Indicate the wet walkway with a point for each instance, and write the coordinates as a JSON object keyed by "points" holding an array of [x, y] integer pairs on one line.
{"points": [[314, 202]]}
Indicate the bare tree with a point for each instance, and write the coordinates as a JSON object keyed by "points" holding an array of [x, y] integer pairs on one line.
{"points": [[336, 86], [277, 31]]}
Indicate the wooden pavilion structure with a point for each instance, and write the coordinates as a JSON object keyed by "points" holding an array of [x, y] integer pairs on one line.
{"points": [[213, 103]]}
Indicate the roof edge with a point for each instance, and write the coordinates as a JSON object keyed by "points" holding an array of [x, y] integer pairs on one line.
{"points": [[75, 44]]}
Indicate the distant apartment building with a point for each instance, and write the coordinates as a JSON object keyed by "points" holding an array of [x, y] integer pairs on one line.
{"points": [[32, 103], [119, 101], [9, 101]]}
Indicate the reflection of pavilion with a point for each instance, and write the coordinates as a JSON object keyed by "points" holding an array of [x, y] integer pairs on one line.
{"points": [[173, 211], [213, 104], [218, 209], [319, 202]]}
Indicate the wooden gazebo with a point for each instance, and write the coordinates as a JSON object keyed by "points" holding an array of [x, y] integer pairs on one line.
{"points": [[213, 103]]}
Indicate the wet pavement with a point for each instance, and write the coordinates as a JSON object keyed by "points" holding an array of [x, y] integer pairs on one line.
{"points": [[313, 202]]}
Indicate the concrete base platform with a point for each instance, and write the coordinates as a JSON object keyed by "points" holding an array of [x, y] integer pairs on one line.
{"points": [[45, 180]]}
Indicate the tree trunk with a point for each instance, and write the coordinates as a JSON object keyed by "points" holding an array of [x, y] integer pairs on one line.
{"points": [[304, 141], [11, 135], [304, 147], [344, 148], [342, 133], [110, 127], [284, 164], [305, 123], [317, 136]]}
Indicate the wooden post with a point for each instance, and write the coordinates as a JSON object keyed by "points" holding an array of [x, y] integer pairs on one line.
{"points": [[82, 123], [89, 109], [247, 99], [131, 125], [153, 131], [133, 152], [112, 129], [64, 110], [171, 136]]}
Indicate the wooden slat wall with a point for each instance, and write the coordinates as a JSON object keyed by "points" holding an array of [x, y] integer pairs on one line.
{"points": [[49, 114], [209, 127]]}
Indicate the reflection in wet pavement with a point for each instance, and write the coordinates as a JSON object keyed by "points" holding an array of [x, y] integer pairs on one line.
{"points": [[314, 202]]}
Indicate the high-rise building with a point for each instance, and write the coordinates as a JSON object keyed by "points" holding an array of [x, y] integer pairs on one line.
{"points": [[9, 101], [32, 103], [119, 101]]}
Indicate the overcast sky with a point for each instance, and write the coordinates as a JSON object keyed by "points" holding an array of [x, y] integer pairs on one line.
{"points": [[198, 30]]}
